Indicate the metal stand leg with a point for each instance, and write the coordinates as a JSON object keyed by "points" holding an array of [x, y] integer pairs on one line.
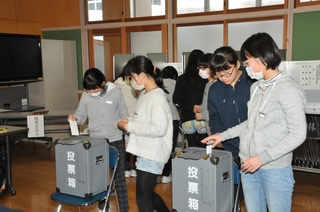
{"points": [[9, 183]]}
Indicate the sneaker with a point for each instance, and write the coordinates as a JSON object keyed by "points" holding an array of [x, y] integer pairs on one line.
{"points": [[133, 173], [166, 179], [127, 173]]}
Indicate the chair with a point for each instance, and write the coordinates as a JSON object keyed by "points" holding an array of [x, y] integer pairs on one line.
{"points": [[237, 183], [66, 199]]}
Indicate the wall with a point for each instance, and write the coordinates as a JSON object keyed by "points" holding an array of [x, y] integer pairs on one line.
{"points": [[31, 16], [306, 34], [22, 17], [74, 35], [59, 74]]}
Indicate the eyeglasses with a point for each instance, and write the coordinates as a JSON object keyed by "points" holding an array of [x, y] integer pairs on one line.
{"points": [[227, 74]]}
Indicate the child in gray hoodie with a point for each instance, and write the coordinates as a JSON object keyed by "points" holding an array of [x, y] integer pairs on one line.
{"points": [[276, 125]]}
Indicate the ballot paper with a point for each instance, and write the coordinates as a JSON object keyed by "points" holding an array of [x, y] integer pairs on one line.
{"points": [[74, 127]]}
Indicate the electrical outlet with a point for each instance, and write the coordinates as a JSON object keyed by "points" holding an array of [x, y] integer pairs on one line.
{"points": [[309, 76]]}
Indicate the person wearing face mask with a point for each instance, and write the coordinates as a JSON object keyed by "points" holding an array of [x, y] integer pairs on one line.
{"points": [[228, 97], [201, 111], [102, 104], [188, 92], [130, 96], [151, 131], [276, 125]]}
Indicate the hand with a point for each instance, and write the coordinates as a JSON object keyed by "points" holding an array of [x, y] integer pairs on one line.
{"points": [[3, 187], [197, 108], [215, 138], [72, 117], [251, 165], [123, 123], [198, 116]]}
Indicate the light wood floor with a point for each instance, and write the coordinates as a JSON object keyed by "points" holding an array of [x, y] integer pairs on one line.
{"points": [[34, 180]]}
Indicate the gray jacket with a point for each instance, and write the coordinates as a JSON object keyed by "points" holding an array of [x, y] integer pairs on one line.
{"points": [[276, 123], [103, 112]]}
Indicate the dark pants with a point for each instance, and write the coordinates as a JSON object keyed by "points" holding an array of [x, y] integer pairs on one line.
{"points": [[120, 180], [168, 167], [147, 199]]}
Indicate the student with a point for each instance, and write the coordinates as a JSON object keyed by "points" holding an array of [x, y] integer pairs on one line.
{"points": [[188, 92], [205, 72], [228, 97], [103, 105], [276, 125], [170, 75], [130, 96], [150, 131]]}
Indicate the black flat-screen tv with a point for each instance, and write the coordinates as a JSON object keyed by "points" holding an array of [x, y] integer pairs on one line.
{"points": [[20, 58]]}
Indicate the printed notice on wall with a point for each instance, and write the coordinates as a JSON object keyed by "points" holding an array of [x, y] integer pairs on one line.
{"points": [[36, 126]]}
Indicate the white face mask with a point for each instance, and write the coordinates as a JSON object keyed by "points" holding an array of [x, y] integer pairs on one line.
{"points": [[204, 73], [95, 94], [137, 87], [252, 74]]}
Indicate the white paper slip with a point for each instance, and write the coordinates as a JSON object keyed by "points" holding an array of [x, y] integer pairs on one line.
{"points": [[74, 127], [35, 124], [209, 148]]}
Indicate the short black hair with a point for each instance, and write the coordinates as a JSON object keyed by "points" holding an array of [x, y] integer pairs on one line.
{"points": [[262, 46], [223, 59], [93, 79], [169, 72]]}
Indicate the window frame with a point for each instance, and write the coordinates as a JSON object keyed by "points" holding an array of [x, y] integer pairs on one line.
{"points": [[230, 11], [123, 16], [302, 4]]}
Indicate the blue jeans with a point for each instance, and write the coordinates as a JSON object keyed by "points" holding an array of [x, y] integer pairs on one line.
{"points": [[270, 188]]}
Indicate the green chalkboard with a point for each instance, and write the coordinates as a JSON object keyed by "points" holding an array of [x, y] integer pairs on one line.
{"points": [[306, 36], [74, 35]]}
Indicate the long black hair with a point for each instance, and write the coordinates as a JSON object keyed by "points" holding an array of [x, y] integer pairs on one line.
{"points": [[191, 70], [140, 64]]}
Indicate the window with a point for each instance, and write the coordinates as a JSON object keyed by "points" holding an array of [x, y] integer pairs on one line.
{"points": [[111, 10], [238, 4], [151, 40], [156, 2], [94, 10], [146, 8], [307, 2], [197, 6], [272, 27], [204, 37], [200, 6]]}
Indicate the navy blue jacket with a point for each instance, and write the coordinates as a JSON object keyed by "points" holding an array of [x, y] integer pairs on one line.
{"points": [[227, 107]]}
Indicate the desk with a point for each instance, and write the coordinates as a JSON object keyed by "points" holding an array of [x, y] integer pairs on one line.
{"points": [[54, 122], [10, 130], [20, 118]]}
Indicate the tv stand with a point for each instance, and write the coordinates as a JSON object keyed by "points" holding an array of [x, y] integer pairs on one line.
{"points": [[16, 98], [26, 108]]}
